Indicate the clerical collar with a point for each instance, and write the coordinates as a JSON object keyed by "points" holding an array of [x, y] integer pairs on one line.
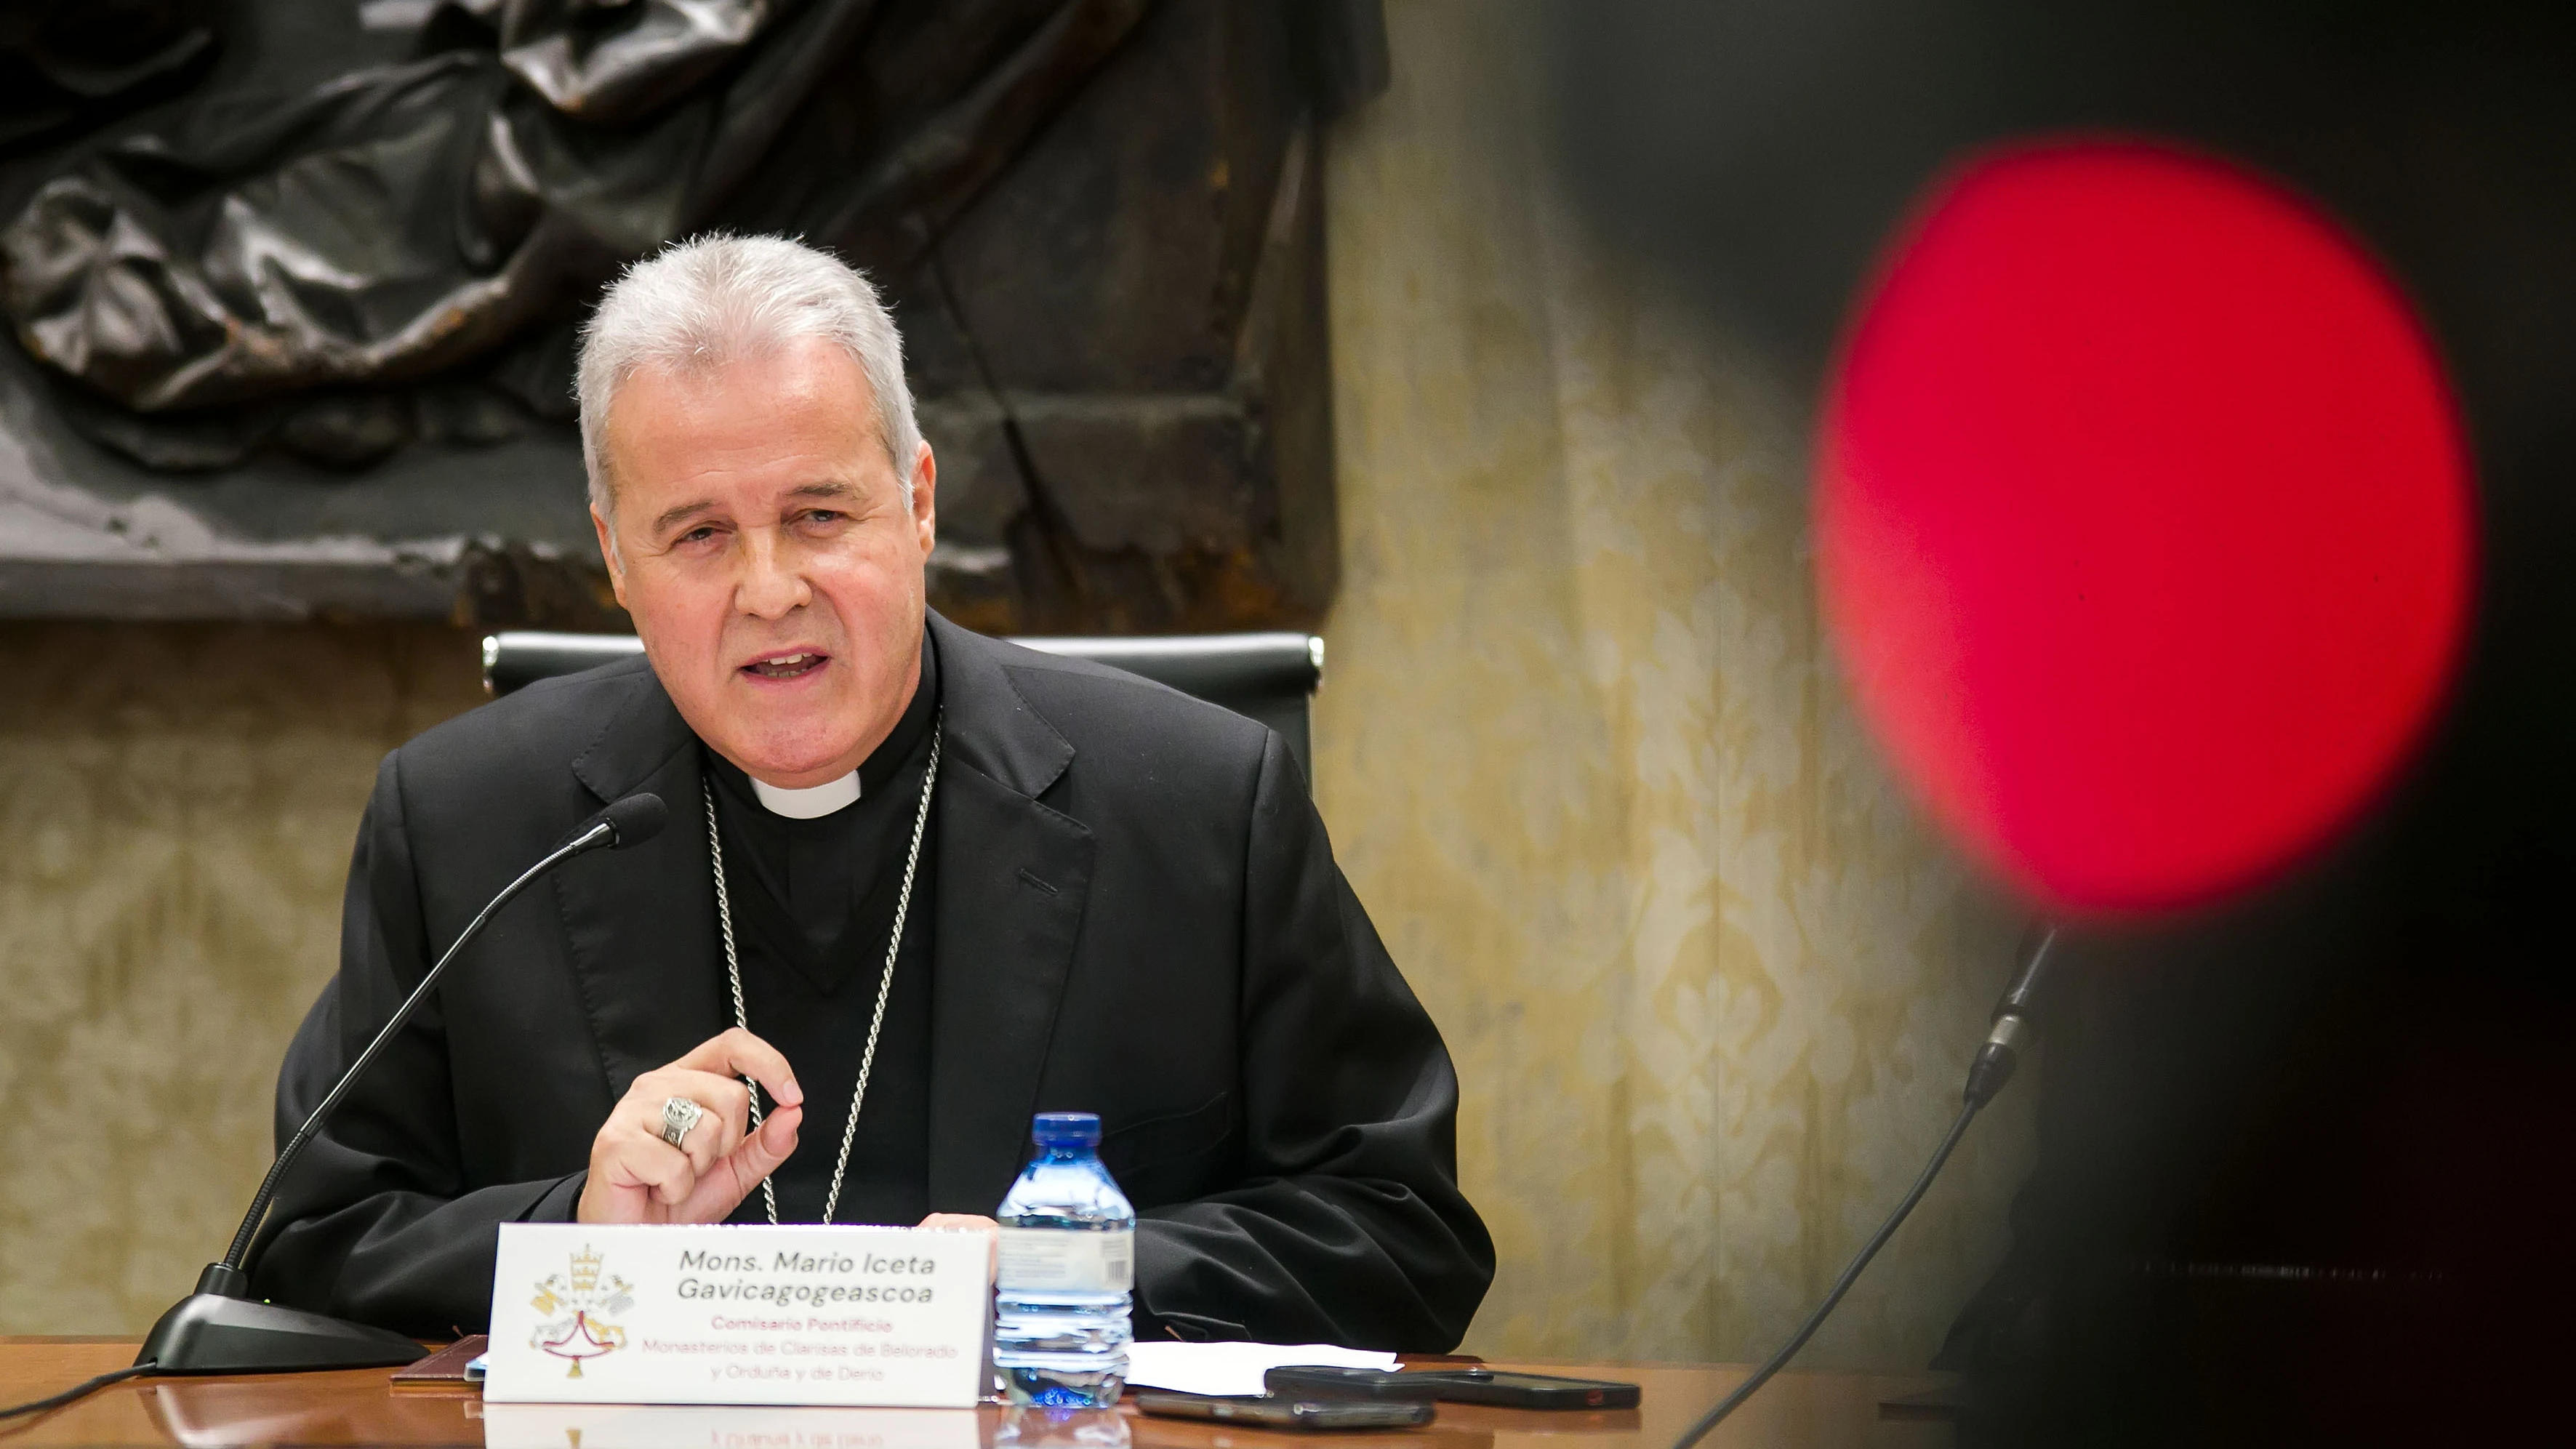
{"points": [[878, 770], [812, 803]]}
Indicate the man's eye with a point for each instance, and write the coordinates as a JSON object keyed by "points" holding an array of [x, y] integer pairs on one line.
{"points": [[824, 515], [699, 534]]}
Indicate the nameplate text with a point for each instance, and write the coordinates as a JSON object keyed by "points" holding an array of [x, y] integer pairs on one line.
{"points": [[639, 1314]]}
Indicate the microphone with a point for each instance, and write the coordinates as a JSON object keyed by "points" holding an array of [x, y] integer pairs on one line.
{"points": [[631, 821], [218, 1328], [2014, 1026]]}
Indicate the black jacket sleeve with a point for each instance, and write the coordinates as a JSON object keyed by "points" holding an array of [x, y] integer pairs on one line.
{"points": [[1348, 1226], [375, 1222]]}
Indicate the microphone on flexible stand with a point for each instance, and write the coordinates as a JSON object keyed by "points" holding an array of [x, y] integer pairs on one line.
{"points": [[219, 1328], [2013, 1030]]}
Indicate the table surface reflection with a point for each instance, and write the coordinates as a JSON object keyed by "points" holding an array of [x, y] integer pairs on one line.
{"points": [[362, 1407]]}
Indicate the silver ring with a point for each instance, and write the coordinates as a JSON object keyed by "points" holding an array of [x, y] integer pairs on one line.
{"points": [[679, 1114]]}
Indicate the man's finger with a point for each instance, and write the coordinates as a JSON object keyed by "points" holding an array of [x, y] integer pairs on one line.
{"points": [[723, 1104], [762, 1151], [606, 1201], [738, 1176], [649, 1162], [728, 1106], [737, 1053]]}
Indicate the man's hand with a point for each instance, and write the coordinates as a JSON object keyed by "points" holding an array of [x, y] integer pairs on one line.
{"points": [[636, 1177], [993, 1258]]}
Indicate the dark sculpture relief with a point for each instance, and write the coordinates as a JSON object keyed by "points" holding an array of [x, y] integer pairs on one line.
{"points": [[67, 64], [1098, 220]]}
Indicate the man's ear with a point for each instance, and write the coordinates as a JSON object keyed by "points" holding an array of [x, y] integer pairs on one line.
{"points": [[608, 555], [925, 498]]}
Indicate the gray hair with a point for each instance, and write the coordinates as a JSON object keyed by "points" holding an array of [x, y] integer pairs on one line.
{"points": [[710, 299]]}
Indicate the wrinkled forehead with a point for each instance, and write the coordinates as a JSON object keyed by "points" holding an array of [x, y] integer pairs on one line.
{"points": [[795, 407]]}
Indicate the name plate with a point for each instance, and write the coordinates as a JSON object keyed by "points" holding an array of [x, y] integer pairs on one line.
{"points": [[700, 1426], [649, 1314]]}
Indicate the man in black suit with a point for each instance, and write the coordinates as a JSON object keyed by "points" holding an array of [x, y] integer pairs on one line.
{"points": [[918, 885]]}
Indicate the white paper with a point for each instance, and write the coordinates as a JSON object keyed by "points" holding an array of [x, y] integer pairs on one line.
{"points": [[1233, 1368]]}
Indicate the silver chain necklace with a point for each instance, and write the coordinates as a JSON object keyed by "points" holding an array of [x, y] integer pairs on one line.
{"points": [[885, 987]]}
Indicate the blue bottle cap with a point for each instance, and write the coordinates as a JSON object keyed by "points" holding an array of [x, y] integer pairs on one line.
{"points": [[1067, 1129]]}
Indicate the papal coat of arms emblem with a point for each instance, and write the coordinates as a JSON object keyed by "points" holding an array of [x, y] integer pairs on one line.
{"points": [[583, 1298]]}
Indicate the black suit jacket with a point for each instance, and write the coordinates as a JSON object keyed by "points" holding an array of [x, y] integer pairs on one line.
{"points": [[1137, 914]]}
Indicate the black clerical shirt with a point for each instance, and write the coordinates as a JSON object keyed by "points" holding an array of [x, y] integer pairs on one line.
{"points": [[813, 905]]}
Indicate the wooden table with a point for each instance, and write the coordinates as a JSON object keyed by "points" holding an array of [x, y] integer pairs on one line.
{"points": [[361, 1407]]}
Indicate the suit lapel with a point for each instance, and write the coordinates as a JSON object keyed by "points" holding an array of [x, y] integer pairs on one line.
{"points": [[641, 921], [1014, 876]]}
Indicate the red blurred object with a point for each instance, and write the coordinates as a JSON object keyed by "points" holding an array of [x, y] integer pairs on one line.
{"points": [[2144, 521]]}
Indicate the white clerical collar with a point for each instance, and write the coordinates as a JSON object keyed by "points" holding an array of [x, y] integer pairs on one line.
{"points": [[812, 804]]}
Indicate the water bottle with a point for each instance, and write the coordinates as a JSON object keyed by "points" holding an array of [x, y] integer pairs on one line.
{"points": [[1068, 1268]]}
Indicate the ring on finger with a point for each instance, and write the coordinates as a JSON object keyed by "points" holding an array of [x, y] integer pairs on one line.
{"points": [[679, 1114]]}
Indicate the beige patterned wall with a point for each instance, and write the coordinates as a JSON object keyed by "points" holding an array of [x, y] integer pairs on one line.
{"points": [[1710, 988], [177, 805]]}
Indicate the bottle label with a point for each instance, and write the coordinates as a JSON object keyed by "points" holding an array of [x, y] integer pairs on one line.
{"points": [[1063, 1260]]}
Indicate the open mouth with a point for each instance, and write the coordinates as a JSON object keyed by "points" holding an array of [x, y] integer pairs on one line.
{"points": [[785, 666]]}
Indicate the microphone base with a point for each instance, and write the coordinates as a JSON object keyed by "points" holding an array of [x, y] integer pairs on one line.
{"points": [[210, 1333]]}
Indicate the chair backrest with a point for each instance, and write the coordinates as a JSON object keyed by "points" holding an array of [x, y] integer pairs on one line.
{"points": [[1267, 677]]}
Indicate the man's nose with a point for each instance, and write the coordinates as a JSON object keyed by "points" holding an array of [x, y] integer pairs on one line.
{"points": [[771, 586]]}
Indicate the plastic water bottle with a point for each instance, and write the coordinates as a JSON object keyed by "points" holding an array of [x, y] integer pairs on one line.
{"points": [[1068, 1272]]}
